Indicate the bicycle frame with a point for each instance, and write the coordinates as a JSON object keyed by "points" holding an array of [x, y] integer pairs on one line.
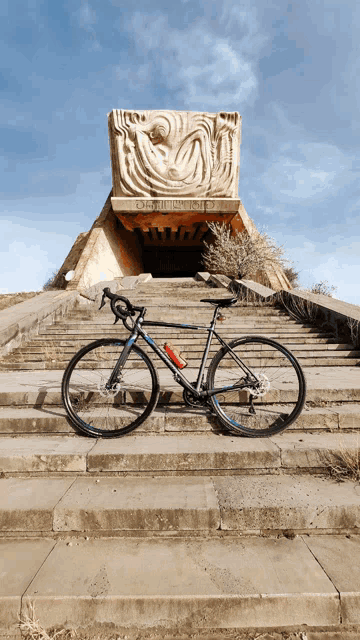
{"points": [[196, 390]]}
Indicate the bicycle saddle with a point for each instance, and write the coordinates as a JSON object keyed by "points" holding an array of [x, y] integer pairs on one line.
{"points": [[222, 302]]}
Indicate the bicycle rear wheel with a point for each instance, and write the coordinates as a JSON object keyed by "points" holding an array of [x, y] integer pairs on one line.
{"points": [[109, 413], [281, 394]]}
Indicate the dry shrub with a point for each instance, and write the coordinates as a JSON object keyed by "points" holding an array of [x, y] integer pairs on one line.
{"points": [[49, 285], [343, 464], [323, 287], [237, 255], [32, 629], [293, 276], [298, 308], [354, 326]]}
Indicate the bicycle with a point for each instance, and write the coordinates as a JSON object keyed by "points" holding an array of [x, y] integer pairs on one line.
{"points": [[254, 385]]}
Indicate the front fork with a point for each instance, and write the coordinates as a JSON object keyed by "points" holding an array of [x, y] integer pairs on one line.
{"points": [[114, 378]]}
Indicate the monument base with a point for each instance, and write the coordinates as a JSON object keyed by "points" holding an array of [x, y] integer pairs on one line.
{"points": [[152, 235]]}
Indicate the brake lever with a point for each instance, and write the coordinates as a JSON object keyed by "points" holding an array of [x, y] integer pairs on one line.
{"points": [[102, 301]]}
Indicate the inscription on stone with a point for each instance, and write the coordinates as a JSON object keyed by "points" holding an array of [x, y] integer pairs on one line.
{"points": [[175, 205]]}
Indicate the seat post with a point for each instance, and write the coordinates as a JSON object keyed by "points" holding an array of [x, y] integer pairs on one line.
{"points": [[214, 318]]}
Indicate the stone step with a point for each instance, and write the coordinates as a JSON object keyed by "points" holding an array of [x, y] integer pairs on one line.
{"points": [[191, 352], [181, 587], [242, 312], [192, 346], [41, 364], [174, 454], [173, 419], [175, 318], [110, 332], [42, 388], [252, 505], [76, 341]]}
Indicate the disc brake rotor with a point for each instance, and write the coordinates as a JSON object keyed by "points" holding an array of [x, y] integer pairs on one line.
{"points": [[261, 387], [109, 393]]}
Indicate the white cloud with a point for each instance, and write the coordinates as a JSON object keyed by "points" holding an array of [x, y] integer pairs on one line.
{"points": [[334, 260], [86, 17], [31, 258], [205, 69], [304, 171]]}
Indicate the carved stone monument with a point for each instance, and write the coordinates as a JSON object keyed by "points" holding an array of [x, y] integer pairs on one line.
{"points": [[172, 173], [174, 154]]}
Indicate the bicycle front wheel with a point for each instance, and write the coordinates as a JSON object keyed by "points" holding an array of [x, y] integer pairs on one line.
{"points": [[102, 412], [277, 401]]}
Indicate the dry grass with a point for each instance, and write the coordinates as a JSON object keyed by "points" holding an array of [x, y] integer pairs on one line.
{"points": [[32, 629], [51, 353], [354, 326], [343, 464], [10, 299], [299, 308]]}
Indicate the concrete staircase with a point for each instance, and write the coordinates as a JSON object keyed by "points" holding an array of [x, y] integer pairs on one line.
{"points": [[179, 528]]}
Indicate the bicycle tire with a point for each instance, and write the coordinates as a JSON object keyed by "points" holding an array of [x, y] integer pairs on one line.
{"points": [[284, 387], [98, 412]]}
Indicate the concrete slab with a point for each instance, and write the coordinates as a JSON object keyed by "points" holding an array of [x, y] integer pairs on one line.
{"points": [[287, 502], [339, 557], [129, 282], [173, 452], [144, 277], [27, 504], [46, 453], [313, 450], [185, 419], [183, 584], [21, 388], [19, 562], [160, 504], [349, 415], [40, 387], [34, 420]]}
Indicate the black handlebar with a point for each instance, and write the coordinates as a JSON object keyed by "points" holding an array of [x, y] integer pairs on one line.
{"points": [[121, 313]]}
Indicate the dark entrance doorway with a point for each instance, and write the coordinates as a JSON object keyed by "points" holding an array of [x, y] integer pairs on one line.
{"points": [[172, 261], [167, 253]]}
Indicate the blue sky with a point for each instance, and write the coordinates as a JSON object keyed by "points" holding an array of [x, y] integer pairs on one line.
{"points": [[290, 68]]}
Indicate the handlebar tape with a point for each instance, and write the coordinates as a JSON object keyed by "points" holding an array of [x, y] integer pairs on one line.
{"points": [[118, 311]]}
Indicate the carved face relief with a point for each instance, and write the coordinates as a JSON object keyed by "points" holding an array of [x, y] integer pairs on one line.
{"points": [[174, 154]]}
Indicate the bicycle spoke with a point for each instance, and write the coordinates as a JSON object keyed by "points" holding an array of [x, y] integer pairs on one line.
{"points": [[267, 406], [99, 410]]}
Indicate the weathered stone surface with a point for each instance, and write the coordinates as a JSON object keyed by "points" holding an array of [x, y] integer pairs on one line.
{"points": [[220, 281], [144, 277], [342, 318], [146, 453], [27, 504], [183, 584], [19, 561], [49, 453], [156, 504], [202, 276], [249, 288], [313, 450], [23, 320], [339, 557], [287, 502], [174, 153]]}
